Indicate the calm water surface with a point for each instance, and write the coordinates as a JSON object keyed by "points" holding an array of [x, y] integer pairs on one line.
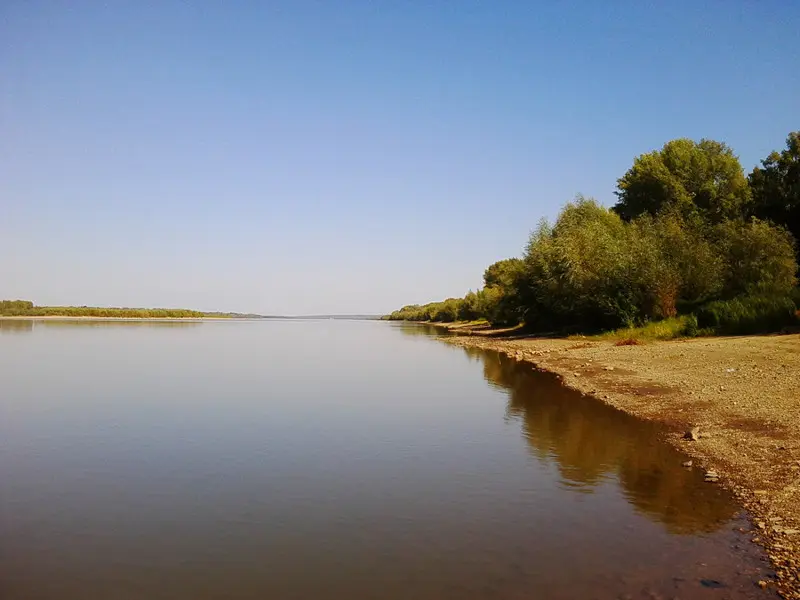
{"points": [[333, 459]]}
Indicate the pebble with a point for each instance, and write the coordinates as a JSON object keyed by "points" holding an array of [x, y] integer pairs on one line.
{"points": [[693, 434], [688, 463]]}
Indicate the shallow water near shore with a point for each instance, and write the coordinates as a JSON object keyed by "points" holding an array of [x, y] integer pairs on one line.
{"points": [[334, 459]]}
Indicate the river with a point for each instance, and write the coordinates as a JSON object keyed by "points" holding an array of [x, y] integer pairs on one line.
{"points": [[294, 459]]}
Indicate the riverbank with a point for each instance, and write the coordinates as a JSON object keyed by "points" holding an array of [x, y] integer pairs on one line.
{"points": [[73, 318], [741, 393]]}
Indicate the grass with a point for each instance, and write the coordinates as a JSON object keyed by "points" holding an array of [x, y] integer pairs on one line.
{"points": [[628, 342], [668, 329], [739, 316], [749, 315]]}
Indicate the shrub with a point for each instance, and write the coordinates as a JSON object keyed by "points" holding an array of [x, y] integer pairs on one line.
{"points": [[691, 328], [749, 314], [795, 296]]}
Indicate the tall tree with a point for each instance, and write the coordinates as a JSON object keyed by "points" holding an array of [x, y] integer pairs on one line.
{"points": [[776, 187], [698, 178]]}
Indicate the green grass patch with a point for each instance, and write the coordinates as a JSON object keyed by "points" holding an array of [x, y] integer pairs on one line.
{"points": [[669, 329]]}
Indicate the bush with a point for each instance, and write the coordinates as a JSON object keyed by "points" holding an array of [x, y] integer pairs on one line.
{"points": [[795, 296], [691, 328], [749, 314]]}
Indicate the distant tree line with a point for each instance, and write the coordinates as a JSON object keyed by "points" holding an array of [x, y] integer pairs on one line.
{"points": [[25, 308], [690, 234]]}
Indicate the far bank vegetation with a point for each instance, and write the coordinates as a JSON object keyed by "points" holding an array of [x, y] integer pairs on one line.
{"points": [[26, 308]]}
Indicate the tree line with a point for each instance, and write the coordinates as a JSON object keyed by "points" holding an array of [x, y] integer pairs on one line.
{"points": [[690, 235], [26, 308]]}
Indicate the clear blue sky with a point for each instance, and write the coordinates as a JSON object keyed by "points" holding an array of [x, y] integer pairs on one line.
{"points": [[352, 156]]}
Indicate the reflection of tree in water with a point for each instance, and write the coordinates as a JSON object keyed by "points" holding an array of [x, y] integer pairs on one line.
{"points": [[28, 325], [111, 323], [590, 441], [15, 326], [422, 329]]}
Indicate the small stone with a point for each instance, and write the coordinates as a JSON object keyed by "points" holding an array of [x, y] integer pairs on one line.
{"points": [[760, 492], [687, 464], [791, 531], [608, 368], [693, 434], [576, 374], [762, 584], [760, 524]]}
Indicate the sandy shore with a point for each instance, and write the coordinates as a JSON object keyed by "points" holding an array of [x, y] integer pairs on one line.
{"points": [[742, 392]]}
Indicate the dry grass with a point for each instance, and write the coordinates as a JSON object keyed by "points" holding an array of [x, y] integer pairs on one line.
{"points": [[628, 342]]}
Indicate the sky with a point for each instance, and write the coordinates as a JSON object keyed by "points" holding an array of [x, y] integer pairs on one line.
{"points": [[341, 157]]}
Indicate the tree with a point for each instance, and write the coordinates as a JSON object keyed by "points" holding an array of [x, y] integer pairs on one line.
{"points": [[673, 262], [776, 187], [760, 258], [702, 178], [501, 300], [578, 269]]}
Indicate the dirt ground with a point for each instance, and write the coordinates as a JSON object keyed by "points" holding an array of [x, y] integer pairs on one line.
{"points": [[743, 393]]}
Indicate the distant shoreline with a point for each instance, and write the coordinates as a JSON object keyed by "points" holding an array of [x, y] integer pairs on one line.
{"points": [[232, 318], [90, 318]]}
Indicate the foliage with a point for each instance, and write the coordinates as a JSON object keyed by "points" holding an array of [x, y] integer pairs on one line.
{"points": [[577, 268], [684, 326], [702, 178], [776, 187], [749, 314], [681, 243], [759, 258], [795, 296], [443, 312], [674, 263], [23, 308], [501, 300], [11, 307]]}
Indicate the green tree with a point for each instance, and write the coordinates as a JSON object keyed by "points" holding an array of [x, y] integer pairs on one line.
{"points": [[468, 310], [759, 258], [673, 262], [776, 187], [578, 269], [702, 178], [501, 300]]}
